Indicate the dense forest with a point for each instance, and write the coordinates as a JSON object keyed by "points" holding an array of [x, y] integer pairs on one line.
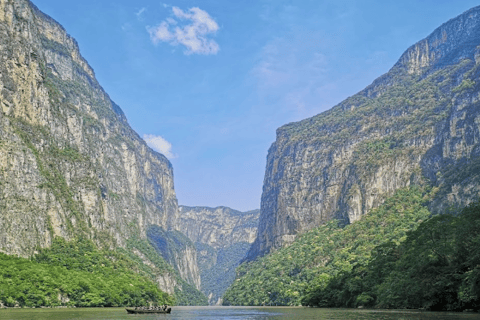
{"points": [[217, 277], [288, 274], [437, 267], [76, 273], [397, 256]]}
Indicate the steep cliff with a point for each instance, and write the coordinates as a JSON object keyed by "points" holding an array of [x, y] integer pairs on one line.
{"points": [[222, 237], [178, 250], [218, 227], [69, 162], [418, 124]]}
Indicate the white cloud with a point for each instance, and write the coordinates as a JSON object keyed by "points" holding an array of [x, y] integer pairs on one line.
{"points": [[140, 12], [159, 144], [192, 34]]}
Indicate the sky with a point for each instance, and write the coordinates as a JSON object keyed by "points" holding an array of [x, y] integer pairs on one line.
{"points": [[207, 83]]}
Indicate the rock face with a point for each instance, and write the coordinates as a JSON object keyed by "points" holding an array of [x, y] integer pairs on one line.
{"points": [[69, 162], [417, 124], [222, 237], [177, 250], [219, 227]]}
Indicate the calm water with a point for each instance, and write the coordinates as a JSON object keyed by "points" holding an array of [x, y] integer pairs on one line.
{"points": [[232, 313]]}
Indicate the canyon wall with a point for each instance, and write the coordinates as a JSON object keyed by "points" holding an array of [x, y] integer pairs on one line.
{"points": [[222, 237], [419, 124], [70, 164]]}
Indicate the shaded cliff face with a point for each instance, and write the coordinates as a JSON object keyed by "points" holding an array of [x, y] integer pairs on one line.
{"points": [[69, 161], [417, 124], [177, 250], [222, 238]]}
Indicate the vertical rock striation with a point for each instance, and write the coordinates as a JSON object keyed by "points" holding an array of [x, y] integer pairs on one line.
{"points": [[178, 250], [222, 237], [69, 161], [217, 227], [417, 124]]}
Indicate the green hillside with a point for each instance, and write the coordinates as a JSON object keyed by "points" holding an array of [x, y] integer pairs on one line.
{"points": [[437, 267], [76, 273], [316, 257]]}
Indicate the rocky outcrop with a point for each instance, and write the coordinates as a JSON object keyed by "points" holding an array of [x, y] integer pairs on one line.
{"points": [[69, 161], [222, 237], [177, 250], [417, 124], [218, 227]]}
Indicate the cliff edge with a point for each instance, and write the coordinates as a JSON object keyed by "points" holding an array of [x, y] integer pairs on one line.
{"points": [[419, 124]]}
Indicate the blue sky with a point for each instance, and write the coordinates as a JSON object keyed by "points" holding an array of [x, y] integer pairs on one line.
{"points": [[208, 82]]}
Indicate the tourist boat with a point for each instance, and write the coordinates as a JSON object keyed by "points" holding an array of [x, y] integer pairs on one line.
{"points": [[146, 310]]}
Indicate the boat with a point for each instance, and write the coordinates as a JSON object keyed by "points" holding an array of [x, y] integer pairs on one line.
{"points": [[146, 310]]}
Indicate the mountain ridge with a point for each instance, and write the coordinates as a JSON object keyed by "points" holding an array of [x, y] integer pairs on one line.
{"points": [[407, 127], [69, 110], [70, 164]]}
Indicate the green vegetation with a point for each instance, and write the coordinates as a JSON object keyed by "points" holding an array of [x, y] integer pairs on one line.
{"points": [[370, 154], [170, 245], [55, 156], [460, 174], [206, 256], [78, 274], [289, 274], [55, 46], [52, 161], [153, 264], [147, 250], [381, 125], [188, 295], [437, 267], [399, 106], [398, 256], [216, 277], [465, 85]]}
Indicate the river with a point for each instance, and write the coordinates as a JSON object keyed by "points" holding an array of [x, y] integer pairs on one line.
{"points": [[232, 313]]}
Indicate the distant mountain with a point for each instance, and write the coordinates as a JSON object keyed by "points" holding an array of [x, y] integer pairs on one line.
{"points": [[222, 237], [416, 125]]}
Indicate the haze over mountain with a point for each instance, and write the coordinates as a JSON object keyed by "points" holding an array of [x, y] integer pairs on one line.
{"points": [[222, 237]]}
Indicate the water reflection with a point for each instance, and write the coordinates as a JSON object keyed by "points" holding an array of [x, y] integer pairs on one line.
{"points": [[233, 313]]}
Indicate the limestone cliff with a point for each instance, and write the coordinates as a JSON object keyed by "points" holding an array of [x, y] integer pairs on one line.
{"points": [[178, 250], [69, 162], [222, 237], [417, 124], [217, 227]]}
